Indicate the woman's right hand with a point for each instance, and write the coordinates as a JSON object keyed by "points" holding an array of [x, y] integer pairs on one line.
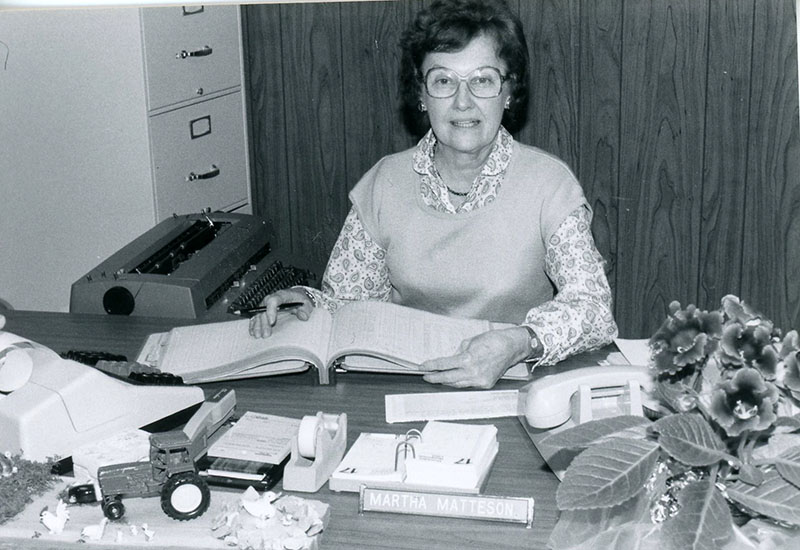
{"points": [[261, 325]]}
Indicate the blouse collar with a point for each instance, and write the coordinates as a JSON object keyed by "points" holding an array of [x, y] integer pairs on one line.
{"points": [[484, 189], [496, 164]]}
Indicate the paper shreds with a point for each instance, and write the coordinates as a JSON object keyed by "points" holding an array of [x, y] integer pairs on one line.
{"points": [[277, 523]]}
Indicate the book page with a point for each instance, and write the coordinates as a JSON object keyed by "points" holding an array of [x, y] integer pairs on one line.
{"points": [[357, 362], [274, 367], [402, 334], [218, 346], [153, 349]]}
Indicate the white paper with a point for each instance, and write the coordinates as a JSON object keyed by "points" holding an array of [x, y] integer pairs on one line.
{"points": [[196, 348], [130, 445], [402, 332], [257, 437], [153, 349], [411, 407], [637, 352], [371, 460]]}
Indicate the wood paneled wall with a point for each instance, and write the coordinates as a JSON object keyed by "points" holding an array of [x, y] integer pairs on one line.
{"points": [[680, 118]]}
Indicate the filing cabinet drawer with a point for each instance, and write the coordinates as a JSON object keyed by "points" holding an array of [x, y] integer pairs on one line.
{"points": [[190, 52], [199, 157]]}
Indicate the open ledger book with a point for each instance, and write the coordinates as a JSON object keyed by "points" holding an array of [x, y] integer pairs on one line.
{"points": [[367, 336]]}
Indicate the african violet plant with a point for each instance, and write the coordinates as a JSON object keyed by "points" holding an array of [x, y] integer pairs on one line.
{"points": [[718, 467]]}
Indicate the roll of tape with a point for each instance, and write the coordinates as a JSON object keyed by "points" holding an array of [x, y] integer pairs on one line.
{"points": [[15, 370], [307, 436]]}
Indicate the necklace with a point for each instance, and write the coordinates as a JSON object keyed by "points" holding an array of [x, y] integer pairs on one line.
{"points": [[449, 190], [457, 193]]}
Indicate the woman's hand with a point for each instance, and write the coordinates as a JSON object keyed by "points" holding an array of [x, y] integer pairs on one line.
{"points": [[261, 325], [480, 360]]}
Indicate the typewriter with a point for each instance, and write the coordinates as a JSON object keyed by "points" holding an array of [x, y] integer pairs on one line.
{"points": [[198, 266]]}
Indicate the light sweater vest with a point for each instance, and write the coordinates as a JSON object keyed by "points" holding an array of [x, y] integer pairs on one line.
{"points": [[484, 264]]}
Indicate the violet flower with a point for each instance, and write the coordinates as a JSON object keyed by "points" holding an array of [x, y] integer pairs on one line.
{"points": [[745, 402], [685, 339], [790, 353], [747, 339]]}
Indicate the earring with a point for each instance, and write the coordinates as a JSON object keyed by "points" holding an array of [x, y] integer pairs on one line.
{"points": [[508, 103], [421, 106]]}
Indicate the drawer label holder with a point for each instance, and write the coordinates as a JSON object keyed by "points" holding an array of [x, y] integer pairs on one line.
{"points": [[458, 505]]}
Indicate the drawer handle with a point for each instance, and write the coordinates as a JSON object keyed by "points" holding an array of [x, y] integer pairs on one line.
{"points": [[202, 52], [213, 173]]}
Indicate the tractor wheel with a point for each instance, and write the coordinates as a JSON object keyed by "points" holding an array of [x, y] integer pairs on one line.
{"points": [[185, 496], [113, 508]]}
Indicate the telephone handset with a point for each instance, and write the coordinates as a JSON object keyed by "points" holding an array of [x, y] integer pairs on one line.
{"points": [[555, 398]]}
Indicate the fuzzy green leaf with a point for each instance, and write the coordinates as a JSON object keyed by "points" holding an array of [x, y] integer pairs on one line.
{"points": [[703, 522], [751, 474], [587, 434], [791, 422], [788, 465], [577, 528], [775, 497], [778, 444], [607, 474], [629, 536], [688, 438], [582, 529]]}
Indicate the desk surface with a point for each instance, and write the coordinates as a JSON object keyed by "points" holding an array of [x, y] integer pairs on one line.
{"points": [[518, 470]]}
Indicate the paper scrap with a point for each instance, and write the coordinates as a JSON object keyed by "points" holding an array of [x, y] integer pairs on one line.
{"points": [[636, 352], [412, 407]]}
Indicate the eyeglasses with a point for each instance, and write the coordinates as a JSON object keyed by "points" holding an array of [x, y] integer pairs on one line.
{"points": [[483, 82]]}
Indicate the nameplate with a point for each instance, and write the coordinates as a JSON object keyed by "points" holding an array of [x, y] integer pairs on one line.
{"points": [[481, 507]]}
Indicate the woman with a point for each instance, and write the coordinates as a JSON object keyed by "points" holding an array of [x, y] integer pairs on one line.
{"points": [[470, 223]]}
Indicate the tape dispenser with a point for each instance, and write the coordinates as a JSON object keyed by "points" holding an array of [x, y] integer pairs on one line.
{"points": [[317, 450]]}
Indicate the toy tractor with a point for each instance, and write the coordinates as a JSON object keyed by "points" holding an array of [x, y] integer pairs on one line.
{"points": [[170, 472]]}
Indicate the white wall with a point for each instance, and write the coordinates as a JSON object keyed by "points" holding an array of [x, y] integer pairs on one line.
{"points": [[75, 182]]}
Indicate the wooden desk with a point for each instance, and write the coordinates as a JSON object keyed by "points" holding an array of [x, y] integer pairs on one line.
{"points": [[518, 470]]}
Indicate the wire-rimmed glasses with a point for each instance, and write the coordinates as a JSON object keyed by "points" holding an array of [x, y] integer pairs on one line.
{"points": [[483, 82]]}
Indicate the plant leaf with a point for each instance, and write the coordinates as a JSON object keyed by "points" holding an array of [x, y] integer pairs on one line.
{"points": [[788, 465], [778, 444], [577, 528], [765, 534], [629, 536], [751, 474], [584, 529], [791, 422], [776, 497], [670, 393], [703, 521], [607, 474], [688, 438], [587, 434]]}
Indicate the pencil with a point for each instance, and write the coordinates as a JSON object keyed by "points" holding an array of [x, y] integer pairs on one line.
{"points": [[261, 309]]}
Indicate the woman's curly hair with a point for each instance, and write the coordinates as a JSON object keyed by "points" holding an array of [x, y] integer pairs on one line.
{"points": [[449, 26]]}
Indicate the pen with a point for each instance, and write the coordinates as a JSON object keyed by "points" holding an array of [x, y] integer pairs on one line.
{"points": [[261, 309]]}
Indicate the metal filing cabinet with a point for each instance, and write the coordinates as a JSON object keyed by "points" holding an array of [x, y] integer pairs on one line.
{"points": [[110, 121], [194, 93]]}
